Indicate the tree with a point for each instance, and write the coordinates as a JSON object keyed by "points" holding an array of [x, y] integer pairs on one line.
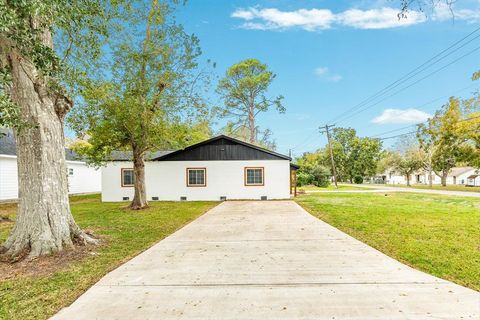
{"points": [[408, 162], [314, 169], [265, 141], [243, 91], [152, 100], [355, 156], [441, 134], [468, 129], [36, 90], [428, 145]]}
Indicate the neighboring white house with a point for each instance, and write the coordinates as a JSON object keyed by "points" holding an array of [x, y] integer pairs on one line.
{"points": [[81, 178], [457, 176], [216, 169]]}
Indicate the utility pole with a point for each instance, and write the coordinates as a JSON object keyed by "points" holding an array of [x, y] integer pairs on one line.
{"points": [[325, 129]]}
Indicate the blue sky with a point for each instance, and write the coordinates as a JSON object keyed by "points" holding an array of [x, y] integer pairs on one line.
{"points": [[331, 55]]}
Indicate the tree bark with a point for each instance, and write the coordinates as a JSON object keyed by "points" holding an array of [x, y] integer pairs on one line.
{"points": [[430, 178], [408, 180], [251, 126], [140, 198], [44, 223], [444, 177]]}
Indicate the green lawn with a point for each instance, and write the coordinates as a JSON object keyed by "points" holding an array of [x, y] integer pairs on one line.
{"points": [[433, 233], [329, 188], [434, 187], [127, 233]]}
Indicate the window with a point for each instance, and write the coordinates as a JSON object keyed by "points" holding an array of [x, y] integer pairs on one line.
{"points": [[128, 178], [196, 177], [70, 171], [254, 176]]}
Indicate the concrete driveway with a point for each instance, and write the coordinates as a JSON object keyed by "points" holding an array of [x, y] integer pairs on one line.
{"points": [[268, 260]]}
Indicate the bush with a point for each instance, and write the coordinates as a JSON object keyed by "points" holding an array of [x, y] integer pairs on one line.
{"points": [[304, 179], [358, 179], [321, 176]]}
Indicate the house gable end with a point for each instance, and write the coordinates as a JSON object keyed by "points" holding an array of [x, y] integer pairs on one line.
{"points": [[222, 148]]}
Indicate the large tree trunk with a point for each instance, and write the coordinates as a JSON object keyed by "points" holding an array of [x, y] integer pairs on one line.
{"points": [[44, 223], [140, 198], [408, 180]]}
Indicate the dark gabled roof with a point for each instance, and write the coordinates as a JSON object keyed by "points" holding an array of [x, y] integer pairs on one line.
{"points": [[222, 147], [128, 155], [8, 147]]}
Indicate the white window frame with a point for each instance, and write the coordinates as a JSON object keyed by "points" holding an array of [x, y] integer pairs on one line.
{"points": [[247, 184], [123, 180], [204, 184]]}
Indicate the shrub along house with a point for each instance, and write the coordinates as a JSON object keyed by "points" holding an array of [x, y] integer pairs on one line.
{"points": [[220, 168]]}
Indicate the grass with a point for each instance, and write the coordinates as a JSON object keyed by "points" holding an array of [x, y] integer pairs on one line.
{"points": [[434, 187], [331, 187], [128, 233], [433, 233]]}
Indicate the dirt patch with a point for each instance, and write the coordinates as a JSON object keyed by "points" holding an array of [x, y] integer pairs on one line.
{"points": [[47, 265]]}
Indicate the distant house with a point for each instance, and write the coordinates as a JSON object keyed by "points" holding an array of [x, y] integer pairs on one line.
{"points": [[456, 176], [216, 169], [81, 178]]}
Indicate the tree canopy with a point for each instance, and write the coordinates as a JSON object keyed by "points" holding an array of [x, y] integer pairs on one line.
{"points": [[355, 156], [153, 98], [243, 91]]}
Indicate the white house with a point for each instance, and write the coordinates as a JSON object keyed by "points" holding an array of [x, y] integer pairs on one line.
{"points": [[456, 176], [216, 169], [81, 178]]}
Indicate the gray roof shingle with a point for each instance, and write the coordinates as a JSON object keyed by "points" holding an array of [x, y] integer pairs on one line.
{"points": [[8, 146]]}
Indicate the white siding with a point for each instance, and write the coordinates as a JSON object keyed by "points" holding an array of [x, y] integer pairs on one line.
{"points": [[8, 177], [84, 179], [167, 180]]}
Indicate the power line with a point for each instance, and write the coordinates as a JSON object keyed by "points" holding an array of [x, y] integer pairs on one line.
{"points": [[391, 87], [412, 73], [307, 140], [399, 135], [395, 130], [421, 107], [412, 132], [410, 85]]}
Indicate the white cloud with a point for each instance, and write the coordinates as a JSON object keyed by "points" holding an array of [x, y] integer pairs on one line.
{"points": [[396, 116], [443, 12], [325, 74], [321, 19], [271, 18], [382, 18]]}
